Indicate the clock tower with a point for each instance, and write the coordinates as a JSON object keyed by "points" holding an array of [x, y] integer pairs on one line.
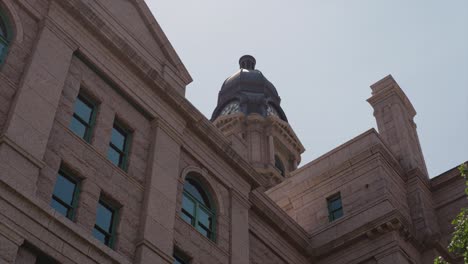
{"points": [[250, 115]]}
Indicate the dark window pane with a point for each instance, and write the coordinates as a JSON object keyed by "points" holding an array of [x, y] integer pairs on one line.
{"points": [[204, 218], [59, 207], [188, 205], [118, 139], [337, 214], [335, 208], [64, 189], [197, 192], [3, 31], [104, 218], [78, 128], [114, 156], [335, 204], [83, 110], [186, 217], [41, 259], [99, 235], [2, 48], [203, 231], [179, 260], [279, 165]]}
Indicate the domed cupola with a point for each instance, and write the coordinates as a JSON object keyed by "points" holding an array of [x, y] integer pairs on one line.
{"points": [[250, 116], [248, 91]]}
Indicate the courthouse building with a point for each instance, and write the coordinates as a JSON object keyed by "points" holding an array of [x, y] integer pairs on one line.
{"points": [[104, 160]]}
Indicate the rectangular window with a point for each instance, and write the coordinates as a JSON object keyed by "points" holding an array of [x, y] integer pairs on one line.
{"points": [[106, 220], [65, 195], [335, 208], [84, 112], [42, 259], [180, 258], [118, 146]]}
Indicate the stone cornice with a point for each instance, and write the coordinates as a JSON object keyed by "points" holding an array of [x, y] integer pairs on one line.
{"points": [[445, 178], [356, 160], [273, 214], [392, 221], [287, 134], [386, 88]]}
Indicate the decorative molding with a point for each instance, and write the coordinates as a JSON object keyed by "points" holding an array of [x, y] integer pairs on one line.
{"points": [[204, 177], [155, 249], [4, 139], [15, 20]]}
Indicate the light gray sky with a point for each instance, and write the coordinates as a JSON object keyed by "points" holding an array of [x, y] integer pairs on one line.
{"points": [[322, 56]]}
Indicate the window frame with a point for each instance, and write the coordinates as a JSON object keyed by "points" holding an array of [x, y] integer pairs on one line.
{"points": [[198, 206], [9, 35], [331, 213], [123, 154], [71, 209], [114, 222], [92, 120]]}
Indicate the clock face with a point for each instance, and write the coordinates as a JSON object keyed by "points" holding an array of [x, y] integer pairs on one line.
{"points": [[231, 108], [271, 110]]}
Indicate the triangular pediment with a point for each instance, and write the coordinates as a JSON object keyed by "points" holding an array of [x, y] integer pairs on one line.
{"points": [[138, 25]]}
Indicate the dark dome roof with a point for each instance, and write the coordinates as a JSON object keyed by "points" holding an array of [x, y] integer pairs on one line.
{"points": [[251, 89]]}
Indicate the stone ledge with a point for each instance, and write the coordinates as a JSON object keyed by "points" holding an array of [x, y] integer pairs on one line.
{"points": [[263, 205], [4, 139]]}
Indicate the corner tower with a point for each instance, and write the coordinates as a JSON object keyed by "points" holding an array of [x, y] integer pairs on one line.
{"points": [[249, 113]]}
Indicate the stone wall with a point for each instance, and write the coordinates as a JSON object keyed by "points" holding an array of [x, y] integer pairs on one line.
{"points": [[24, 22]]}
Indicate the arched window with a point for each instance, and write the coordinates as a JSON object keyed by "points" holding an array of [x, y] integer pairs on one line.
{"points": [[5, 35], [197, 208], [279, 165]]}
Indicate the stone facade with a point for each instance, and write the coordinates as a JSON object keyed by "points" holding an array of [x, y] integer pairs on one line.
{"points": [[115, 52]]}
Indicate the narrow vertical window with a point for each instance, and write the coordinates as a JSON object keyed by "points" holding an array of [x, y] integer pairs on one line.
{"points": [[83, 117], [335, 208], [65, 195], [5, 36], [197, 209], [279, 165], [118, 146], [180, 258], [43, 259], [106, 220]]}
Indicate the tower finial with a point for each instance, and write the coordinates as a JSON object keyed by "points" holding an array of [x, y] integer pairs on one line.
{"points": [[247, 62]]}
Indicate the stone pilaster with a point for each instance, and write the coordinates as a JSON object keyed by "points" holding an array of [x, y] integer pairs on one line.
{"points": [[239, 229], [156, 234], [32, 113]]}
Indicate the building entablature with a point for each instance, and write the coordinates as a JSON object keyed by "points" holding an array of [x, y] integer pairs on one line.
{"points": [[346, 156], [393, 221], [270, 125]]}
